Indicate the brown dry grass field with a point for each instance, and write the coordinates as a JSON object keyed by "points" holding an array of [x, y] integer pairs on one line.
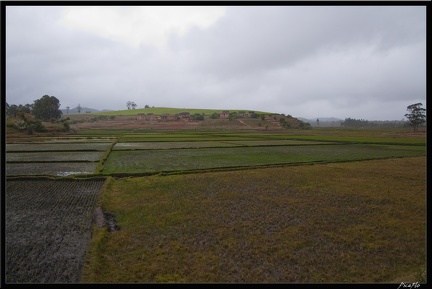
{"points": [[345, 222]]}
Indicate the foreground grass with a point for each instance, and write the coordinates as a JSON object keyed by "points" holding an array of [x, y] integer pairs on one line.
{"points": [[351, 222]]}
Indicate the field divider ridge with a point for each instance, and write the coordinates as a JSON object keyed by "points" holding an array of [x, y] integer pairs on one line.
{"points": [[104, 157]]}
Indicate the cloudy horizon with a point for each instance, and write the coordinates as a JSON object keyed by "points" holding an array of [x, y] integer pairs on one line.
{"points": [[365, 62]]}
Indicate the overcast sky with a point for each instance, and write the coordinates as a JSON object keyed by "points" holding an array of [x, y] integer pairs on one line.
{"points": [[312, 61]]}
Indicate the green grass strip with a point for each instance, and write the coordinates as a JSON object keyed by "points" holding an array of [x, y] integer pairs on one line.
{"points": [[150, 161]]}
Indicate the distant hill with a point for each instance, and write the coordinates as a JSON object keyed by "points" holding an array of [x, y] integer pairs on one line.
{"points": [[83, 110], [170, 110]]}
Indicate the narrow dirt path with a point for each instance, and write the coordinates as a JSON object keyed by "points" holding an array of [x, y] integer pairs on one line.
{"points": [[242, 122]]}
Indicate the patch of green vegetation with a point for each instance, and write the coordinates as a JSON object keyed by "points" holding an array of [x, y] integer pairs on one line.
{"points": [[266, 225], [41, 157], [278, 142], [56, 147], [170, 145], [190, 136], [102, 132], [206, 144], [362, 139], [145, 161], [173, 138], [169, 110], [321, 135]]}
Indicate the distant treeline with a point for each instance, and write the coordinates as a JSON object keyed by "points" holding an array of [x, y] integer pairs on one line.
{"points": [[352, 122]]}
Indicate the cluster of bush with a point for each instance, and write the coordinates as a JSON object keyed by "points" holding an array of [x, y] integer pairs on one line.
{"points": [[29, 117], [102, 117], [197, 116], [25, 122], [300, 124]]}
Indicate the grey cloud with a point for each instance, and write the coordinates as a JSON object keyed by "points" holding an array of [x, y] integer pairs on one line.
{"points": [[349, 61], [253, 39]]}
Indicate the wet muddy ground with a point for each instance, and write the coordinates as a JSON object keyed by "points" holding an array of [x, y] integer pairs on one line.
{"points": [[48, 228]]}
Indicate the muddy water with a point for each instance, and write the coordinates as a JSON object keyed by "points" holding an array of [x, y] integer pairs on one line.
{"points": [[111, 223], [107, 220], [48, 229], [64, 174]]}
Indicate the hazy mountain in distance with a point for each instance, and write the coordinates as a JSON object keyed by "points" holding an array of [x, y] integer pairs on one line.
{"points": [[323, 121], [75, 110]]}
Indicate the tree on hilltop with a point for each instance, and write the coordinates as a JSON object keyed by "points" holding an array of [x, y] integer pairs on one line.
{"points": [[131, 104]]}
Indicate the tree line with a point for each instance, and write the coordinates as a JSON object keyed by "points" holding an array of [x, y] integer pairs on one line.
{"points": [[47, 108], [416, 118], [352, 122]]}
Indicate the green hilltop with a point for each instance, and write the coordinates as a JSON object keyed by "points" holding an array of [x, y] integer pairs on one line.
{"points": [[170, 110]]}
